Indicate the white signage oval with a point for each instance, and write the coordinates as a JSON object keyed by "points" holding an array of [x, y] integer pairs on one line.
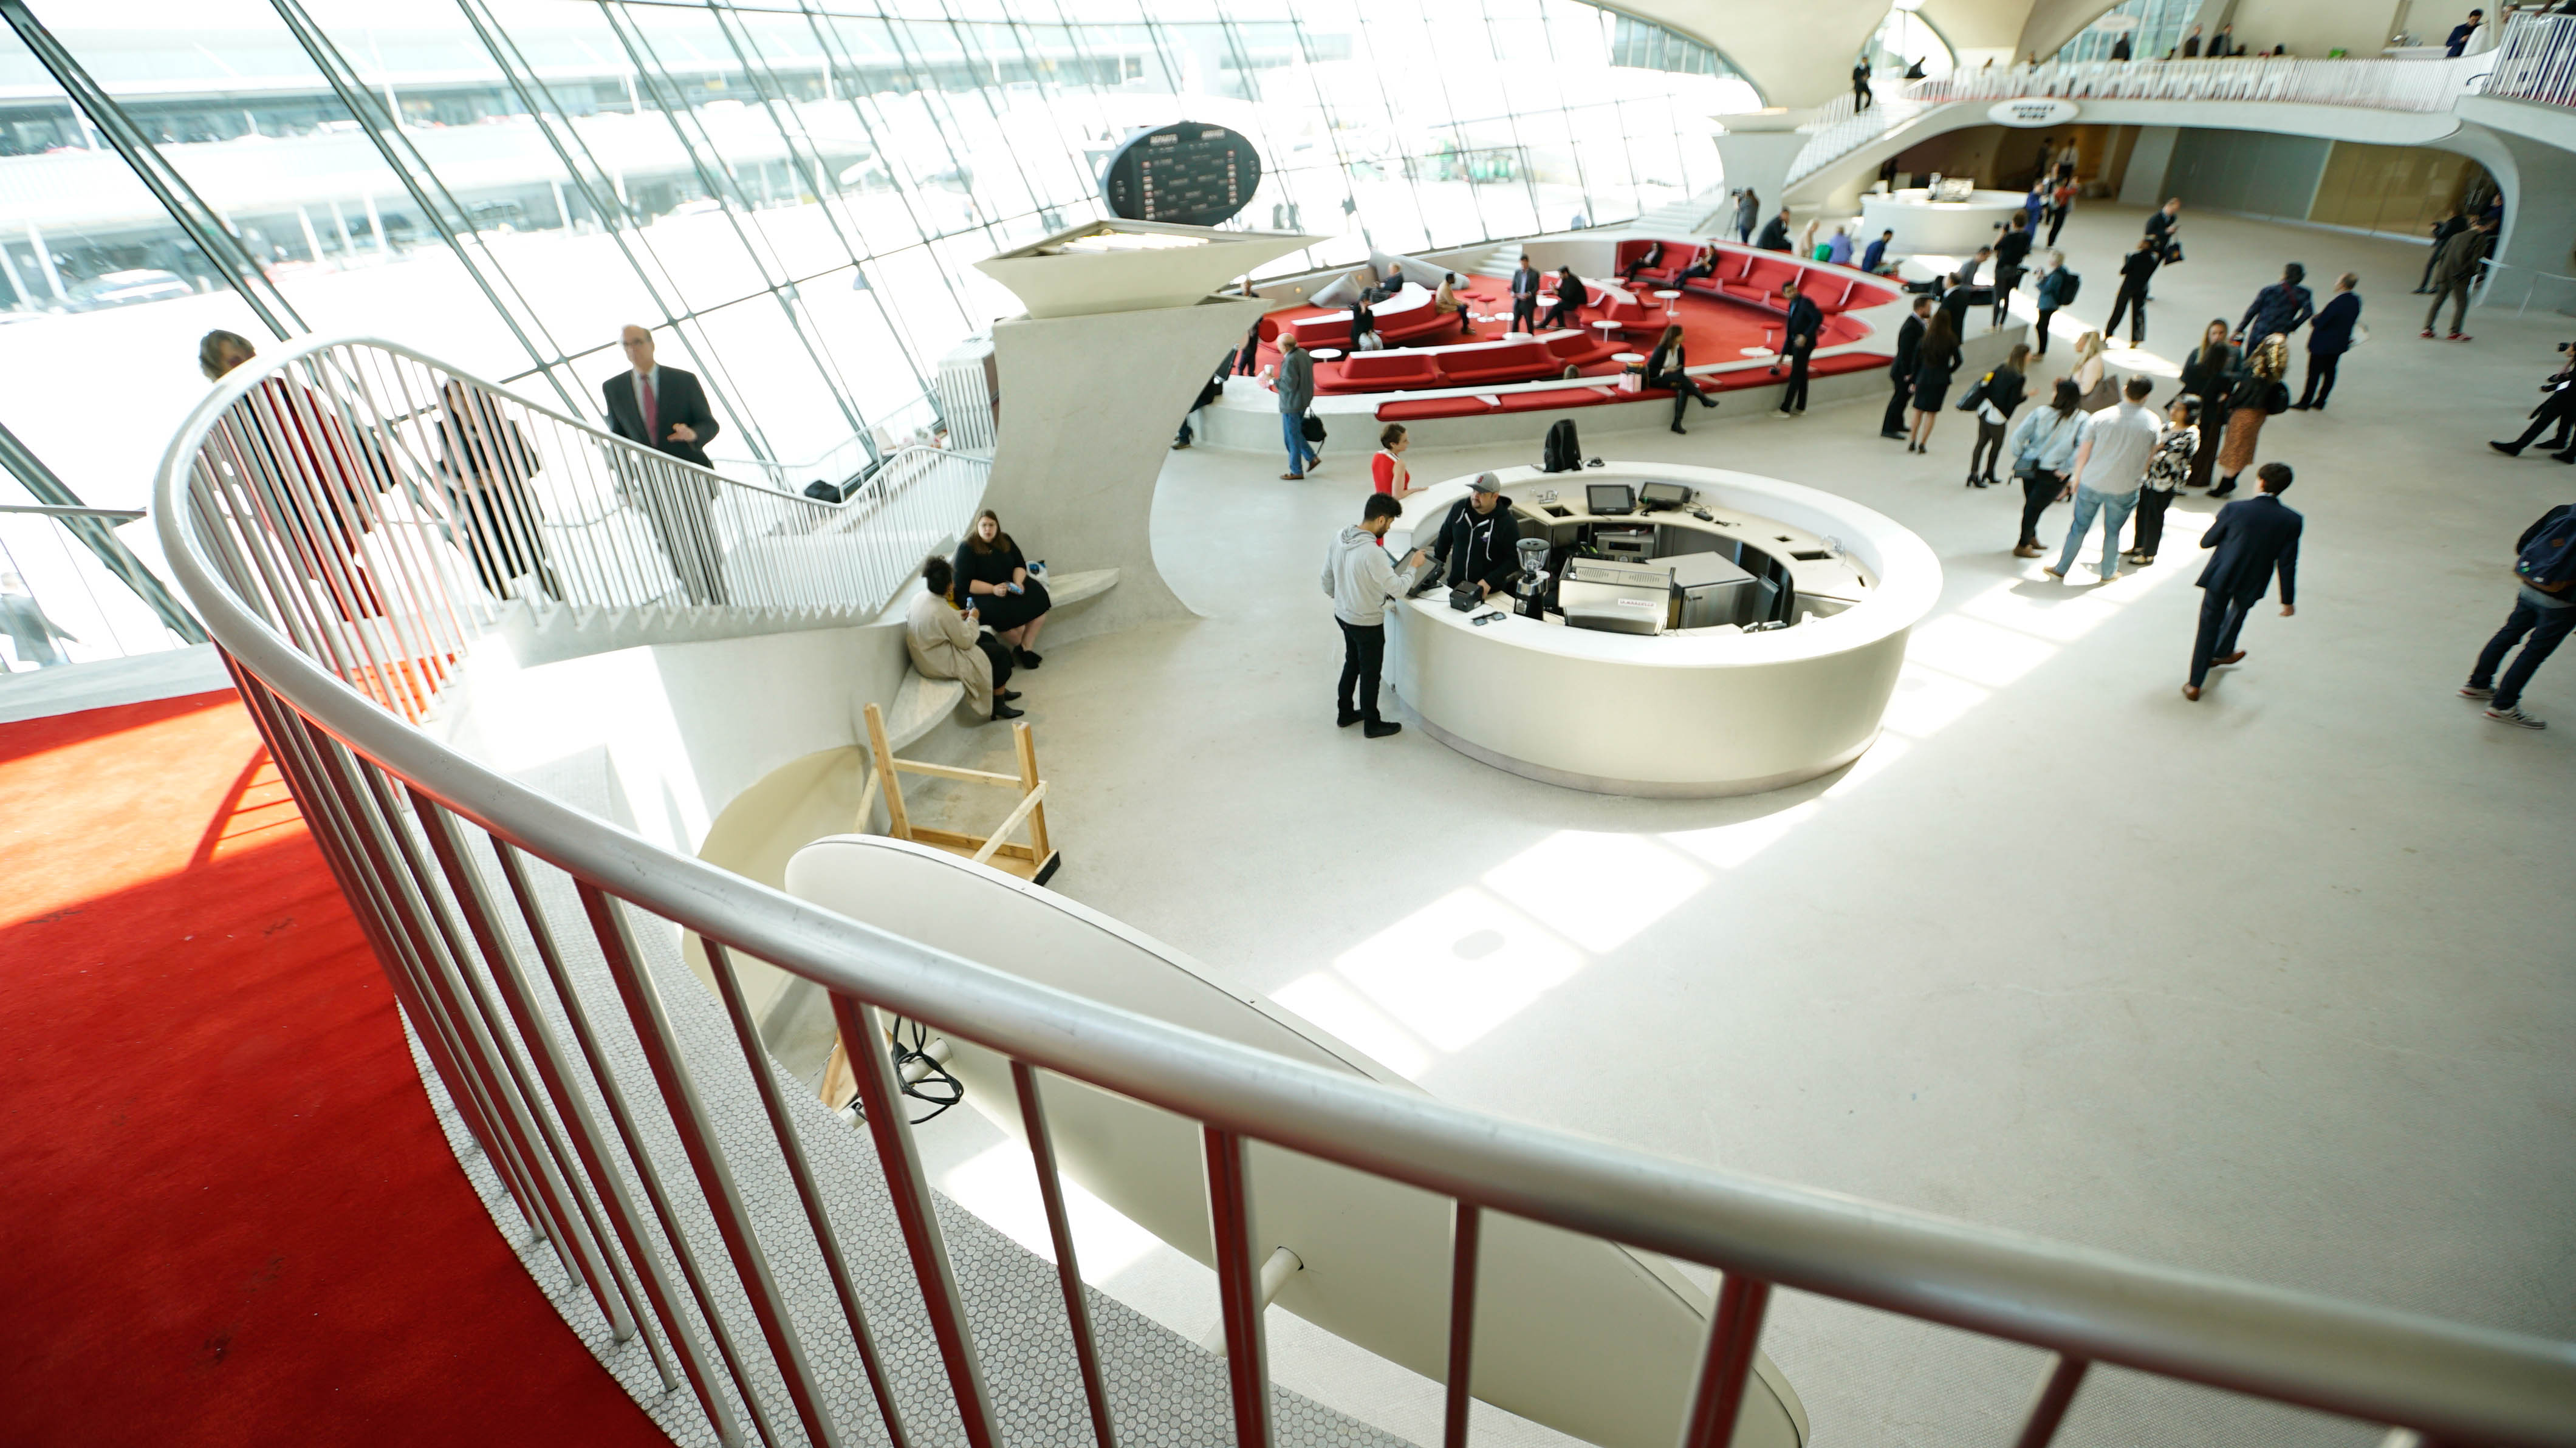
{"points": [[2033, 111]]}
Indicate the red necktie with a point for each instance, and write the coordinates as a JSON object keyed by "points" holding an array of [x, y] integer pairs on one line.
{"points": [[652, 414]]}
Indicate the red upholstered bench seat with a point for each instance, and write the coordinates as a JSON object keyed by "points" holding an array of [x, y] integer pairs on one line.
{"points": [[1419, 408], [1575, 349], [1518, 362], [1556, 397], [1379, 372]]}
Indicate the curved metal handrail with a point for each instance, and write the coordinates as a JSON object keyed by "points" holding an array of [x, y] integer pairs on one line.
{"points": [[2446, 1379]]}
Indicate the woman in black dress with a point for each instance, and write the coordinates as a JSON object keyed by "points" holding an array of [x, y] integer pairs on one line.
{"points": [[1939, 358], [2210, 374], [993, 578]]}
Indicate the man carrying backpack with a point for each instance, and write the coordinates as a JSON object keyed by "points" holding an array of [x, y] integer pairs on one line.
{"points": [[2544, 610]]}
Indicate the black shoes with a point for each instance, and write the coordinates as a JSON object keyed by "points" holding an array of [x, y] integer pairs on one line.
{"points": [[1007, 695], [1346, 718], [2509, 449], [2223, 489], [1005, 711], [1892, 434], [1381, 728], [1677, 427], [1025, 659]]}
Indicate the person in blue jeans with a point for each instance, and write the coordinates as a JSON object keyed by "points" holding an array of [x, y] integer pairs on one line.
{"points": [[1296, 393], [2543, 615], [2110, 466]]}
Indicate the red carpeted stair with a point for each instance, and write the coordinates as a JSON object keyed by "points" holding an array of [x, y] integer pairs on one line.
{"points": [[229, 1215]]}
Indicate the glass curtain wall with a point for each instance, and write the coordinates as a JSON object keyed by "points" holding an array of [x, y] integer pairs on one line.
{"points": [[1905, 39], [794, 194], [2153, 27]]}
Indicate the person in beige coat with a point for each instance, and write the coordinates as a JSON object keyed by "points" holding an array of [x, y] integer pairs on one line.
{"points": [[948, 644]]}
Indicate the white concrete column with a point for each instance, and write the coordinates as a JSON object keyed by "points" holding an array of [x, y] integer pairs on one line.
{"points": [[1088, 404], [2149, 160], [376, 228], [312, 239], [340, 223], [1756, 149]]}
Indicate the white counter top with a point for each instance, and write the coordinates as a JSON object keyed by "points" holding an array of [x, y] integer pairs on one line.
{"points": [[1692, 712]]}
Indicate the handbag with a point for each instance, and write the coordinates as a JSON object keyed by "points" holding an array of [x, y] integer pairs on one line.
{"points": [[1311, 428], [1975, 394]]}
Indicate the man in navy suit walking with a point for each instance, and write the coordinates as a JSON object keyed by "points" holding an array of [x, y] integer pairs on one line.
{"points": [[2253, 537]]}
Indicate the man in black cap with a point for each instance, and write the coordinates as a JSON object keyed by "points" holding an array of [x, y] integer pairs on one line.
{"points": [[1478, 539]]}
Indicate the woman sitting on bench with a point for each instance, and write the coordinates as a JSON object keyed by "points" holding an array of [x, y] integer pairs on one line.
{"points": [[1667, 367], [1447, 301], [1702, 265], [1654, 257], [947, 644], [993, 579]]}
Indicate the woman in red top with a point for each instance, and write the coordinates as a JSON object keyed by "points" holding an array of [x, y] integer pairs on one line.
{"points": [[1387, 469]]}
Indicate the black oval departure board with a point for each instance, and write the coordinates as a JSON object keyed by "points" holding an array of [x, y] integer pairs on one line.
{"points": [[1185, 173]]}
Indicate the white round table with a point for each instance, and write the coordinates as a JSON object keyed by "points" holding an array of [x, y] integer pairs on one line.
{"points": [[1626, 357], [1324, 354], [1755, 351], [1607, 329], [1670, 299]]}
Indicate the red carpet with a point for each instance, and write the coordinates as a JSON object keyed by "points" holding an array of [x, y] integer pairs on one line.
{"points": [[231, 1218]]}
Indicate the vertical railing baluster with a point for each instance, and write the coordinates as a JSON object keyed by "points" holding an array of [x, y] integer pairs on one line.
{"points": [[452, 975], [466, 886], [1238, 1270], [630, 1134], [688, 1112], [764, 1076], [374, 861], [1466, 1233], [863, 1040], [2056, 1394], [1077, 1305], [1734, 1332]]}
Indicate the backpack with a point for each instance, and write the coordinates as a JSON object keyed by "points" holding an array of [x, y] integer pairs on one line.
{"points": [[2067, 289], [1561, 453], [2548, 561]]}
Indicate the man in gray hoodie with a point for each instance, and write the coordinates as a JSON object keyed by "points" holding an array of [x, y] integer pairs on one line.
{"points": [[1296, 386], [1361, 583]]}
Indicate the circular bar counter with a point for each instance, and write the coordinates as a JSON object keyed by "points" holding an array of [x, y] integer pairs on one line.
{"points": [[1832, 590], [1944, 228]]}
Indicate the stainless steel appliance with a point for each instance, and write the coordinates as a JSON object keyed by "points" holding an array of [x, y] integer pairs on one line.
{"points": [[1615, 597], [1710, 590]]}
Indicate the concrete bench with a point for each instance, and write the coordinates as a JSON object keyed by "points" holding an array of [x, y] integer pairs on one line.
{"points": [[922, 702]]}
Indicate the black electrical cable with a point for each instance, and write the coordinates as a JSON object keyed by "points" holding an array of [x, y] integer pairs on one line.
{"points": [[938, 1085]]}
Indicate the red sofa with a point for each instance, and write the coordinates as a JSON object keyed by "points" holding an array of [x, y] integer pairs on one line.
{"points": [[1749, 274], [1464, 365]]}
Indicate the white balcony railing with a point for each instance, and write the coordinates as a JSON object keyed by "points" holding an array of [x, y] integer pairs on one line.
{"points": [[2420, 86], [2536, 60], [476, 891]]}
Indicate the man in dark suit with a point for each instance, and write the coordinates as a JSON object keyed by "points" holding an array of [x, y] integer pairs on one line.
{"points": [[1525, 288], [665, 409], [1797, 344], [2329, 337], [2137, 269], [2253, 537], [2557, 408], [1909, 350]]}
